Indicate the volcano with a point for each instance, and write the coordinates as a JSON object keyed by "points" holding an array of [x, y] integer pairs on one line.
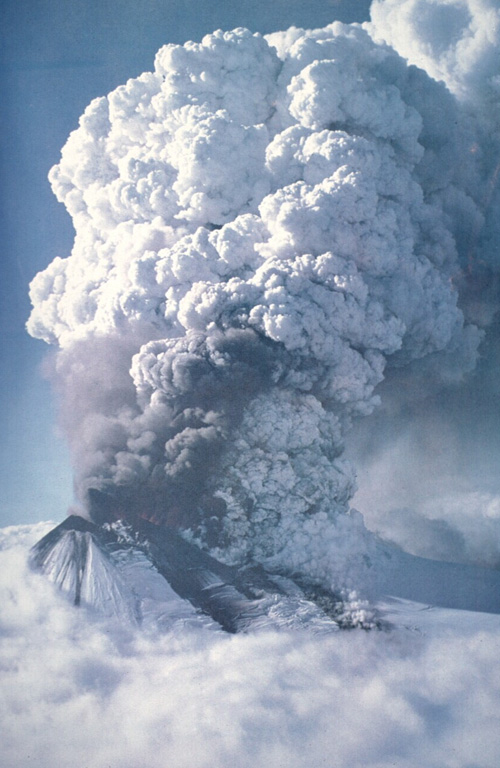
{"points": [[134, 574], [266, 229], [112, 569]]}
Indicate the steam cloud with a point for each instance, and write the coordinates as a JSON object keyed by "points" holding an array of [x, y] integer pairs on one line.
{"points": [[264, 228]]}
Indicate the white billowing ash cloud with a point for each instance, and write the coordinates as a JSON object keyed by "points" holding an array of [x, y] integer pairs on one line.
{"points": [[262, 225], [428, 470], [455, 41]]}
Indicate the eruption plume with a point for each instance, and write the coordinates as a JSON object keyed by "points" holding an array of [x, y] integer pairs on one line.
{"points": [[264, 227]]}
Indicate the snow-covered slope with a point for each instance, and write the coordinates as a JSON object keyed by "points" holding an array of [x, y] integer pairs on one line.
{"points": [[433, 620], [162, 579], [73, 559], [447, 585]]}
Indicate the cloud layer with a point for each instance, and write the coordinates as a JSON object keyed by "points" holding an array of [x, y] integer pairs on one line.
{"points": [[77, 689]]}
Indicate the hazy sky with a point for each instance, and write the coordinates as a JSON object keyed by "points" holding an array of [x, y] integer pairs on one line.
{"points": [[55, 57]]}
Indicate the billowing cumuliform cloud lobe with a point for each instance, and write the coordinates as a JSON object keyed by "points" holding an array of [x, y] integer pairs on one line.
{"points": [[264, 227]]}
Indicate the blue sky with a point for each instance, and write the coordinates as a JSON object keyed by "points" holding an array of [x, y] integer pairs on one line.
{"points": [[55, 57]]}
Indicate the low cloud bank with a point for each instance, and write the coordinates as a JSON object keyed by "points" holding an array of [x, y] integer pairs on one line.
{"points": [[78, 690]]}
